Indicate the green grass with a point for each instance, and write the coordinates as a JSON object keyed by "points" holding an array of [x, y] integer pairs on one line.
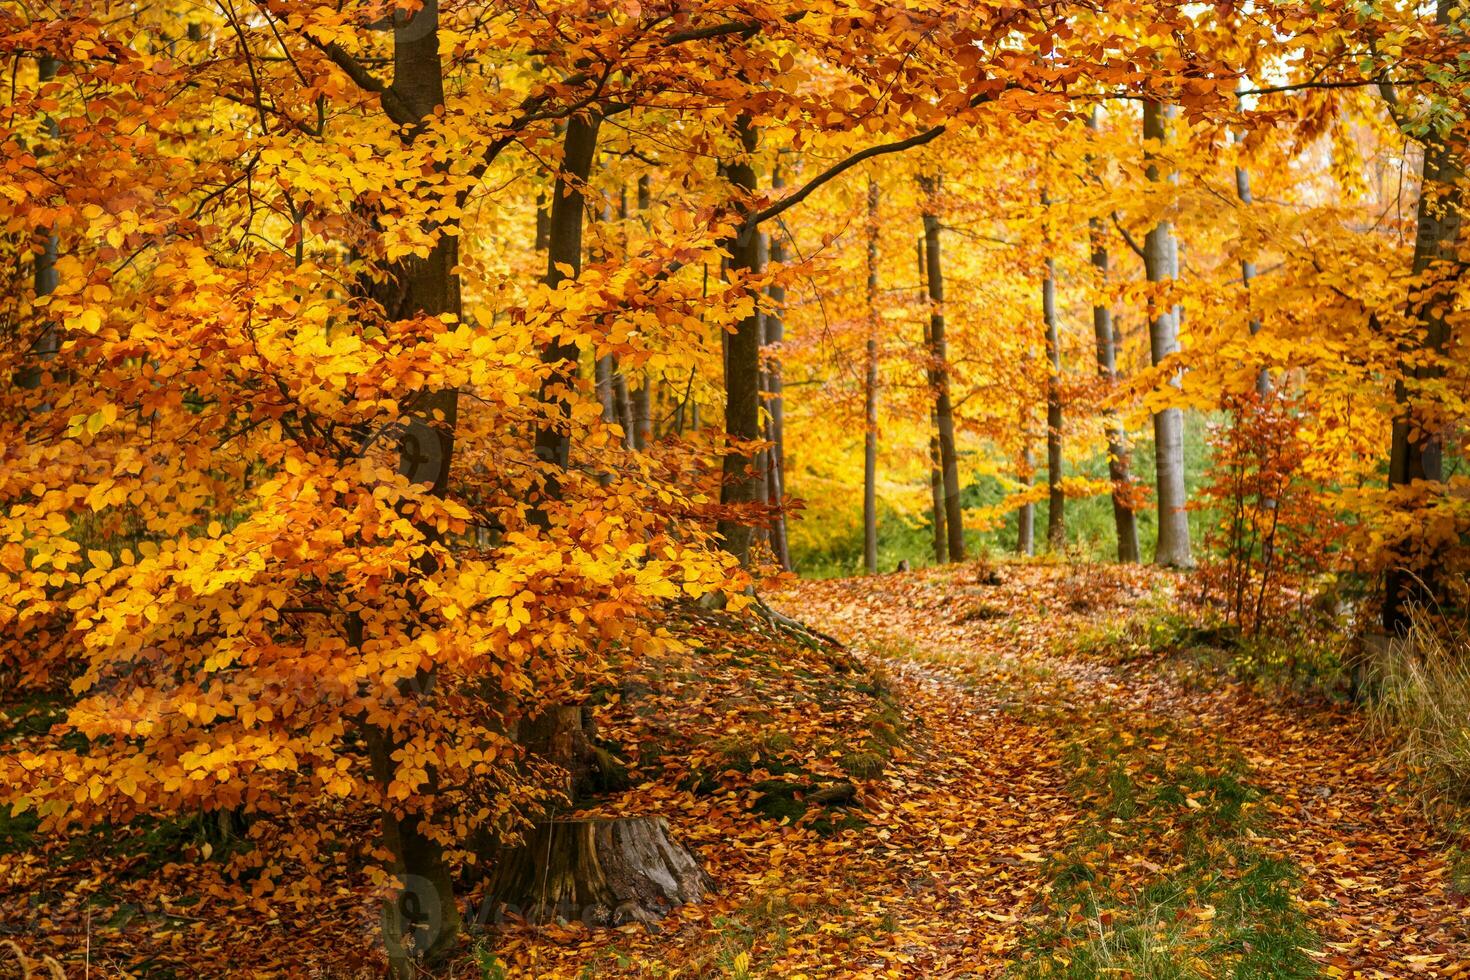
{"points": [[1202, 649], [1168, 874]]}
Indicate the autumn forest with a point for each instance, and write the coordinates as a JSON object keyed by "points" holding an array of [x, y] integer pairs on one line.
{"points": [[601, 488]]}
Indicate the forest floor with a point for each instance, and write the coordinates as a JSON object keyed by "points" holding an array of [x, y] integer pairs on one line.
{"points": [[1042, 782], [1068, 801]]}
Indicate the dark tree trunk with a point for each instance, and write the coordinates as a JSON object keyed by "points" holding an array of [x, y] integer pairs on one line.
{"points": [[870, 393], [44, 274], [1056, 514], [1159, 258], [419, 285], [744, 471], [943, 410], [1125, 522], [543, 223], [642, 414], [1416, 450], [642, 395], [1026, 513], [775, 337], [936, 477], [564, 249]]}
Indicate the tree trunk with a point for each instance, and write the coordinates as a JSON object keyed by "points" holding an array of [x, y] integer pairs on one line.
{"points": [[604, 872], [602, 375], [1173, 547], [776, 336], [44, 274], [1416, 449], [642, 414], [1026, 514], [418, 285], [564, 249], [870, 392], [622, 403], [936, 478], [1248, 269], [943, 410], [744, 473], [1056, 514], [1125, 522], [642, 396]]}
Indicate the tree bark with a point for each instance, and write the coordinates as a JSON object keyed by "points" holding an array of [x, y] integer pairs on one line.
{"points": [[597, 872], [1125, 522], [870, 395], [1026, 513], [44, 275], [1416, 447], [642, 396], [1056, 514], [1248, 268], [936, 478], [776, 336], [943, 410], [1173, 547], [564, 249], [744, 472], [419, 285], [602, 379]]}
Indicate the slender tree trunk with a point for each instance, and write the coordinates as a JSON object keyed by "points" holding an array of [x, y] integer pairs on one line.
{"points": [[941, 539], [564, 249], [870, 392], [943, 411], [744, 475], [1416, 449], [1248, 269], [642, 409], [602, 374], [622, 402], [761, 532], [1125, 522], [44, 274], [775, 337], [1056, 514], [1159, 256], [543, 222], [1026, 513]]}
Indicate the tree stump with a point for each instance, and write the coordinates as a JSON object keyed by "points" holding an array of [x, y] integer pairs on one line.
{"points": [[599, 872]]}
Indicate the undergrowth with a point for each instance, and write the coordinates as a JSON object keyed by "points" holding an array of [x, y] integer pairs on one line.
{"points": [[1200, 650], [1168, 875]]}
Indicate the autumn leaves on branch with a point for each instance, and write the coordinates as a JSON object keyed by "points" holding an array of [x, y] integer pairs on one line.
{"points": [[358, 423]]}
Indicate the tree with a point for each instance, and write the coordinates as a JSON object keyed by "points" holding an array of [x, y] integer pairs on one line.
{"points": [[1416, 448], [938, 352], [1125, 522], [1172, 548], [1056, 515], [870, 398]]}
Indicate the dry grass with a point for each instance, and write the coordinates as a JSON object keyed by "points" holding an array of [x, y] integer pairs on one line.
{"points": [[1422, 709]]}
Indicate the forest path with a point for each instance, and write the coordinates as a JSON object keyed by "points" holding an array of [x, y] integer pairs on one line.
{"points": [[1003, 703]]}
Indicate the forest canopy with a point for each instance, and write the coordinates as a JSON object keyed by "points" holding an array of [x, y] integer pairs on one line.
{"points": [[388, 383]]}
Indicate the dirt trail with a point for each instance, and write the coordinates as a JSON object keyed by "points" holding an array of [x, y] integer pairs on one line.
{"points": [[974, 660]]}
